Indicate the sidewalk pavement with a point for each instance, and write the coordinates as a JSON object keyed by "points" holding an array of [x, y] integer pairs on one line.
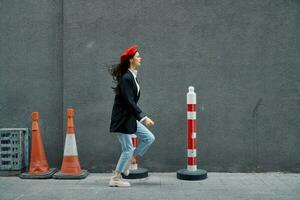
{"points": [[158, 186]]}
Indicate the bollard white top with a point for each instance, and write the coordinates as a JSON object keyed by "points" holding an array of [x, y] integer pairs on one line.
{"points": [[191, 96]]}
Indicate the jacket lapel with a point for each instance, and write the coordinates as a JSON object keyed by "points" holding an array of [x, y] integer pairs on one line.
{"points": [[134, 85]]}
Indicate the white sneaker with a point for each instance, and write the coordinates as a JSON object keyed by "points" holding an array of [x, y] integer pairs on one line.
{"points": [[117, 181], [127, 168]]}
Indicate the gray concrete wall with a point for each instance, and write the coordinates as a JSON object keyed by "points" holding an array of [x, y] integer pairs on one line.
{"points": [[31, 69], [242, 58]]}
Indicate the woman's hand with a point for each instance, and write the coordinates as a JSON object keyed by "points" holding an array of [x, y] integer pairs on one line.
{"points": [[148, 122]]}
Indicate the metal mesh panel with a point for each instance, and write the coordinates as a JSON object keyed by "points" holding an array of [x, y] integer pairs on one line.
{"points": [[14, 149]]}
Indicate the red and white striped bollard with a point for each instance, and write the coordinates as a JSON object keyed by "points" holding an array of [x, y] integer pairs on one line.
{"points": [[135, 171], [134, 164], [191, 131], [191, 172]]}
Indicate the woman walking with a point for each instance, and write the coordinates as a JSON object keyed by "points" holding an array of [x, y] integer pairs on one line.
{"points": [[127, 118]]}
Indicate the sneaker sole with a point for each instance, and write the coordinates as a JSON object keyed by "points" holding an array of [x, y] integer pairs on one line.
{"points": [[119, 186], [116, 185]]}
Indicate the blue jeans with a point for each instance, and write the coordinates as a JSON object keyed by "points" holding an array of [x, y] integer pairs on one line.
{"points": [[145, 139]]}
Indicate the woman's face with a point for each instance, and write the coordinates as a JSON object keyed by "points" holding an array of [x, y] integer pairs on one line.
{"points": [[136, 60]]}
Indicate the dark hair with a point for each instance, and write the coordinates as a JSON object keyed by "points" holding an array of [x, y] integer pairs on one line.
{"points": [[117, 72]]}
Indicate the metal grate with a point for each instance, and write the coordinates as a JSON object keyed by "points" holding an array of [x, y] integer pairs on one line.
{"points": [[14, 149]]}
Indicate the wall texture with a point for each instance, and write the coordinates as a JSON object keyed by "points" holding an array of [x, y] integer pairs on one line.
{"points": [[31, 69], [242, 57]]}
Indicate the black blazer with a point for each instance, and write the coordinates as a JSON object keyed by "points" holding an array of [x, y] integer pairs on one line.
{"points": [[125, 111]]}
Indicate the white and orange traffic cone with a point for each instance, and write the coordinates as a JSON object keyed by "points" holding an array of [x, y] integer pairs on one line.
{"points": [[191, 172], [70, 168]]}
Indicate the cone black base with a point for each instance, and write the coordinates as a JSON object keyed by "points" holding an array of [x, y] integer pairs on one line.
{"points": [[83, 174], [49, 174], [184, 174], [10, 173], [137, 173]]}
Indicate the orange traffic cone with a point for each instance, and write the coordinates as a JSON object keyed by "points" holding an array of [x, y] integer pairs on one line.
{"points": [[39, 167], [70, 168]]}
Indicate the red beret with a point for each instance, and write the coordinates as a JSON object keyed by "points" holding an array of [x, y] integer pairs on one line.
{"points": [[128, 53]]}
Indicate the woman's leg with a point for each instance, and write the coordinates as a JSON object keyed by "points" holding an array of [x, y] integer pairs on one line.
{"points": [[127, 151], [146, 138]]}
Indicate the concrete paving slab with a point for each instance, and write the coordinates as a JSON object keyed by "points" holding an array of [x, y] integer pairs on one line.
{"points": [[218, 186]]}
